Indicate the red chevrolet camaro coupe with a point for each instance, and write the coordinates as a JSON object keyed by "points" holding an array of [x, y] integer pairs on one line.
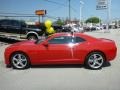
{"points": [[61, 48]]}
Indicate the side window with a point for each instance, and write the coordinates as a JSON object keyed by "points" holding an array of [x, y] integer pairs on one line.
{"points": [[0, 23], [15, 23], [4, 22], [23, 24], [61, 40], [78, 40]]}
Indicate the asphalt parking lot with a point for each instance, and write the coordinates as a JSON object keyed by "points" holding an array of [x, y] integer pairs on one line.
{"points": [[67, 77]]}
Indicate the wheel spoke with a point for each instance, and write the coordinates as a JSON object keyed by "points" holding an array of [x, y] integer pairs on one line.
{"points": [[100, 58], [95, 56], [93, 64], [17, 63], [98, 63], [19, 56], [91, 60], [23, 59], [21, 63], [15, 59]]}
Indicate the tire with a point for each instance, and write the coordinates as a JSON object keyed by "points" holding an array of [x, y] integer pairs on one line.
{"points": [[32, 37], [95, 60], [19, 61]]}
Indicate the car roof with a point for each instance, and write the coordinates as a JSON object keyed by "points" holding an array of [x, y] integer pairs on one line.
{"points": [[70, 34], [11, 20], [63, 34], [82, 35]]}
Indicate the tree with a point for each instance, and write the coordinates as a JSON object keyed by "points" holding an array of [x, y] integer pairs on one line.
{"points": [[60, 22], [93, 20]]}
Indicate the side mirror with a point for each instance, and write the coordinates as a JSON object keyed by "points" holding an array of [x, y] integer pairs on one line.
{"points": [[45, 44]]}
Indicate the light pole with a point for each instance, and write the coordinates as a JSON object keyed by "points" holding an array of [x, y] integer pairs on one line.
{"points": [[81, 6], [109, 14], [69, 10]]}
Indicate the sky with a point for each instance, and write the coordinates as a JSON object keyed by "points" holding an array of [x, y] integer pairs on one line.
{"points": [[61, 9]]}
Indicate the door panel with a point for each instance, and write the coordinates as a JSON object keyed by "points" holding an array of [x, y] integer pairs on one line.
{"points": [[54, 54], [59, 51]]}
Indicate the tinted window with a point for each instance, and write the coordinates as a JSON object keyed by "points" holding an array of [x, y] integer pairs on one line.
{"points": [[23, 24], [15, 23], [78, 40], [5, 22], [0, 21], [61, 40]]}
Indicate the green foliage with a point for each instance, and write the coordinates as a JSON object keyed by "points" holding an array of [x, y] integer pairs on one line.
{"points": [[60, 22], [93, 20]]}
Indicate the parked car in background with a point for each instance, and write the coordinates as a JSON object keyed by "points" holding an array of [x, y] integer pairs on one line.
{"points": [[99, 28], [86, 28], [61, 48], [57, 28], [77, 28], [17, 29], [89, 28], [72, 28], [66, 29]]}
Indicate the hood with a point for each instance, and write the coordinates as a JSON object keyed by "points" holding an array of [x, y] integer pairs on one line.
{"points": [[24, 43]]}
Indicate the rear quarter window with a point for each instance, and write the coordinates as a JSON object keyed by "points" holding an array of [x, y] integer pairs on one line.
{"points": [[79, 40]]}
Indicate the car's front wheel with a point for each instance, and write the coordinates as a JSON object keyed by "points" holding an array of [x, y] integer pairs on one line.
{"points": [[19, 61], [95, 60]]}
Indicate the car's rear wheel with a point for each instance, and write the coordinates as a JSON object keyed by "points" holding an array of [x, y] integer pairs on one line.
{"points": [[20, 61], [95, 60]]}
